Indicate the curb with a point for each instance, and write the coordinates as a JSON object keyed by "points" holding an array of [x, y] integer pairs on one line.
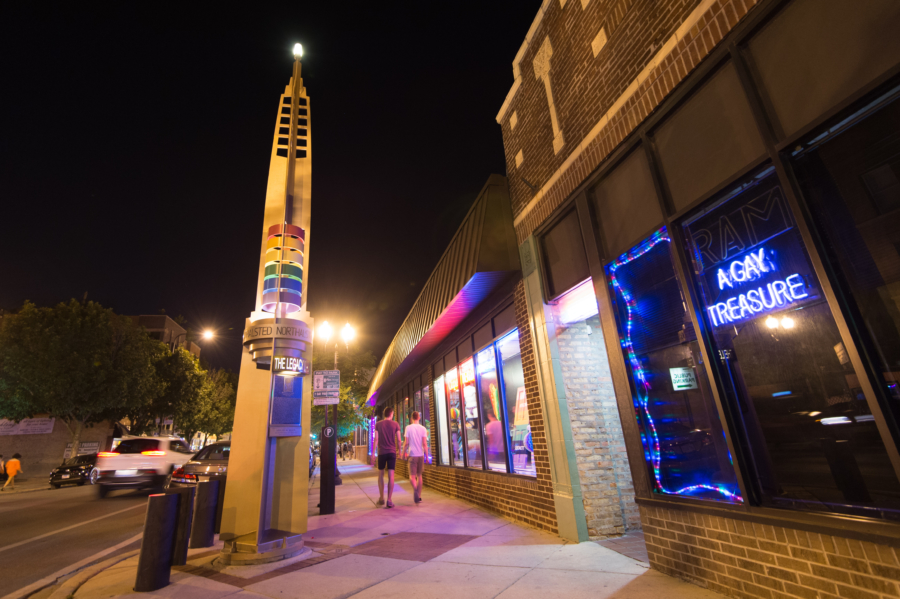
{"points": [[19, 492], [71, 586]]}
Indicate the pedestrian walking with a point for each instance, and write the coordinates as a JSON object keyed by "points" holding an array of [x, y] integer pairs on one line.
{"points": [[13, 467], [387, 439], [415, 448]]}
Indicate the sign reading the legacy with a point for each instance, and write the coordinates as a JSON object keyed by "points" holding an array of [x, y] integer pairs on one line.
{"points": [[288, 365]]}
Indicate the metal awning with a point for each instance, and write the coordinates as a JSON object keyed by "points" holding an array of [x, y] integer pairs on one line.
{"points": [[481, 256]]}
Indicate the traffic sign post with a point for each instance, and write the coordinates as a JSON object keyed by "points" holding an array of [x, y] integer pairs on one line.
{"points": [[327, 392]]}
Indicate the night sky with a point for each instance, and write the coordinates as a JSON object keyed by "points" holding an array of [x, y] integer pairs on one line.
{"points": [[135, 148]]}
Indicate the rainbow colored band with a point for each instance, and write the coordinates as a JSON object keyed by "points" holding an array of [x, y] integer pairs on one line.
{"points": [[283, 278], [642, 385]]}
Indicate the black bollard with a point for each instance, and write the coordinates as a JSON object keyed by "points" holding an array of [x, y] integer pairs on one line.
{"points": [[327, 470], [155, 560], [203, 531], [183, 523], [220, 502]]}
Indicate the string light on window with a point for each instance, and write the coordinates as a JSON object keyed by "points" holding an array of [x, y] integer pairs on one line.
{"points": [[642, 385]]}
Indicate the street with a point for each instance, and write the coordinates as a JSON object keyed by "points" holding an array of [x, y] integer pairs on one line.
{"points": [[44, 532]]}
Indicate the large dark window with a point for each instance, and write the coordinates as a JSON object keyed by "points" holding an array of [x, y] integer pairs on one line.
{"points": [[565, 262], [804, 417], [684, 444]]}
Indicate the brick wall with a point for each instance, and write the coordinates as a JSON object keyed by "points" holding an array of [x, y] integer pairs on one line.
{"points": [[525, 500], [743, 559], [43, 453], [599, 99], [605, 476]]}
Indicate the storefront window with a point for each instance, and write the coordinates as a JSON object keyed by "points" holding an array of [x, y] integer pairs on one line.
{"points": [[425, 411], [851, 180], [811, 435], [491, 410], [516, 405], [473, 422], [440, 402], [684, 443], [456, 426]]}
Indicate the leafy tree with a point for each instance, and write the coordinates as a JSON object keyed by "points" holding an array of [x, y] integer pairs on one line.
{"points": [[213, 413], [181, 383], [356, 366], [77, 362]]}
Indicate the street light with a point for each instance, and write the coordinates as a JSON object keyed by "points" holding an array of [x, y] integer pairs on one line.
{"points": [[347, 334], [325, 331], [207, 334], [298, 51]]}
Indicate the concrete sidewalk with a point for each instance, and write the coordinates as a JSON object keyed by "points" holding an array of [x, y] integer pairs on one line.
{"points": [[442, 547]]}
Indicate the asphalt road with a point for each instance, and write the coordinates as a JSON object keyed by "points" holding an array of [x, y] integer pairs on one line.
{"points": [[44, 532]]}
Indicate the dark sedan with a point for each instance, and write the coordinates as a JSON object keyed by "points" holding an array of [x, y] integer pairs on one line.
{"points": [[212, 460], [75, 471]]}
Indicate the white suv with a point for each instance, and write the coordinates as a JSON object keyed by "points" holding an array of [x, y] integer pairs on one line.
{"points": [[140, 463]]}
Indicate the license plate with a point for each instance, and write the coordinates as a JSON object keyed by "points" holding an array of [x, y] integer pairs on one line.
{"points": [[66, 475], [126, 472], [203, 479]]}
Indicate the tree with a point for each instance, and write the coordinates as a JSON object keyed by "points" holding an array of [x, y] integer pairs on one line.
{"points": [[213, 413], [181, 382], [356, 366], [77, 362]]}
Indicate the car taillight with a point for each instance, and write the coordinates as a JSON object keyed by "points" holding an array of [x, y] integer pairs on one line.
{"points": [[178, 472], [153, 453], [107, 454]]}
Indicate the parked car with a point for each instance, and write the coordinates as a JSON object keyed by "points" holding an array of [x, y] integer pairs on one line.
{"points": [[211, 460], [141, 463], [76, 471]]}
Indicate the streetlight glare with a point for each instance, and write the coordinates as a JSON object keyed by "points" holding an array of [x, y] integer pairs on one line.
{"points": [[325, 331], [208, 334], [298, 50], [347, 333]]}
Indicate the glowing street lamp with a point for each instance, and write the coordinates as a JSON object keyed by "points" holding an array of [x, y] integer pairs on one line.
{"points": [[347, 333], [207, 334], [325, 331], [298, 51]]}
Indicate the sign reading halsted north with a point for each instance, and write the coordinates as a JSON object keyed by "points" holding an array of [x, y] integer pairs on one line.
{"points": [[326, 387]]}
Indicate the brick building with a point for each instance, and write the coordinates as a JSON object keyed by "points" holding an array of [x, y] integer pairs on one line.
{"points": [[706, 298]]}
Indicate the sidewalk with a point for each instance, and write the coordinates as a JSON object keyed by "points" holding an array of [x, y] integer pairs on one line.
{"points": [[442, 547], [27, 485]]}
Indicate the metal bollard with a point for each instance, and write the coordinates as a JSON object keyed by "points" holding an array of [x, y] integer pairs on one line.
{"points": [[223, 480], [183, 524], [203, 531], [155, 560]]}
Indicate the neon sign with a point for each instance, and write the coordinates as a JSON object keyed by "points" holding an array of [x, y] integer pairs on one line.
{"points": [[777, 294], [641, 377]]}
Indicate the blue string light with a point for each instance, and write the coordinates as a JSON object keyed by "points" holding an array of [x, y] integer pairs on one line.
{"points": [[642, 385]]}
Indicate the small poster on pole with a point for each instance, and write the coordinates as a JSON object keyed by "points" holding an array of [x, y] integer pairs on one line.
{"points": [[326, 387]]}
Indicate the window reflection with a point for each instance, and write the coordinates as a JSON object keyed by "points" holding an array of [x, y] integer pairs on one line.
{"points": [[473, 421], [440, 402], [455, 412], [517, 421], [684, 443], [806, 421], [491, 410]]}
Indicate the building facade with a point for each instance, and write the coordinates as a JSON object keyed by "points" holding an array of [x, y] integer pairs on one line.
{"points": [[702, 195], [164, 329]]}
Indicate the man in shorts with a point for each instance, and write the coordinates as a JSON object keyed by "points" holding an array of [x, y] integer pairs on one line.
{"points": [[387, 439], [415, 447]]}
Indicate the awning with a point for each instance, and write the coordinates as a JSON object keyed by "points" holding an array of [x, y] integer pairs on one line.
{"points": [[481, 256]]}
